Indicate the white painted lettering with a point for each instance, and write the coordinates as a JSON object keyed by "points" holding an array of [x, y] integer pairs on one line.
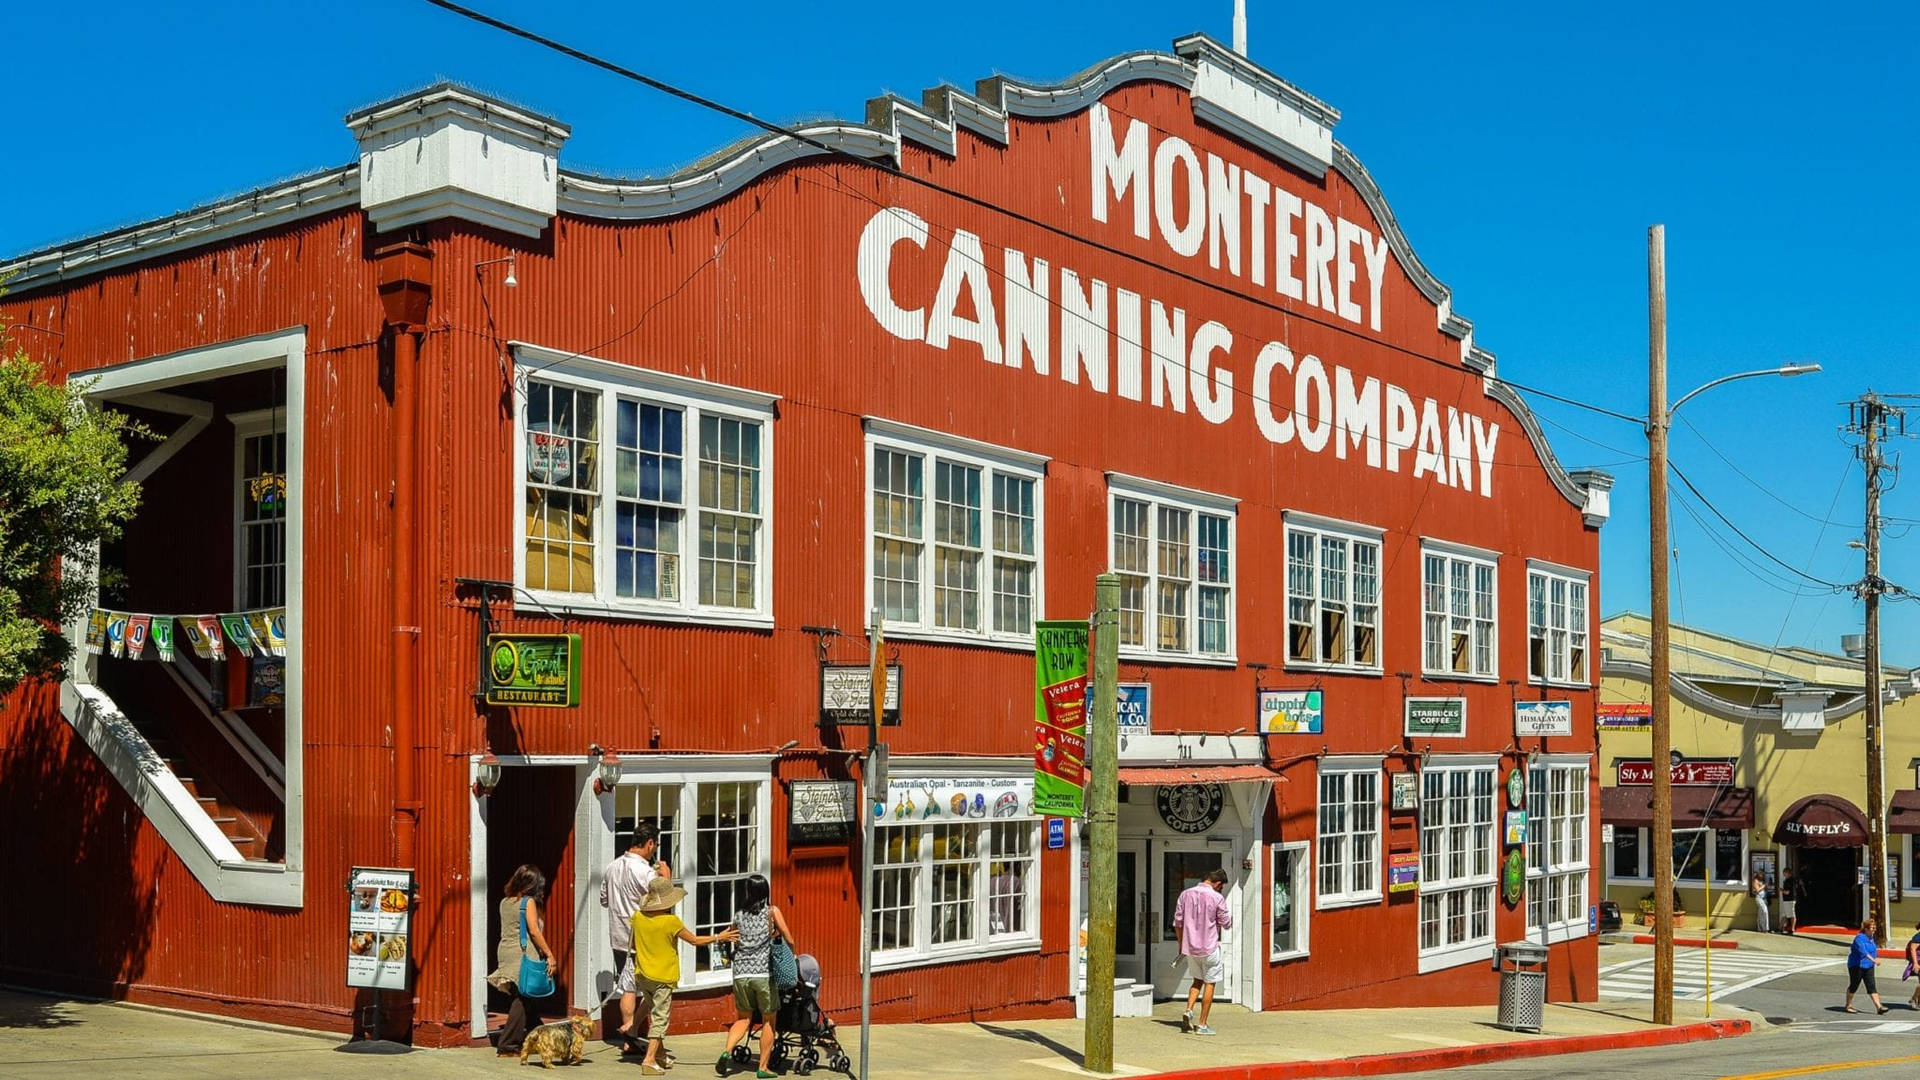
{"points": [[1485, 435], [1258, 192], [1125, 169], [1312, 403], [1401, 417], [1376, 251], [1128, 335], [1319, 268], [1429, 456], [1459, 450], [1357, 415], [1212, 397], [1169, 357], [1347, 237], [966, 267], [1027, 311], [1083, 330], [1286, 243], [1223, 214], [1184, 237], [873, 267], [1277, 429]]}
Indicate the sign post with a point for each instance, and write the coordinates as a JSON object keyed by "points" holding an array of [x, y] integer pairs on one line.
{"points": [[1103, 819], [379, 942], [874, 774]]}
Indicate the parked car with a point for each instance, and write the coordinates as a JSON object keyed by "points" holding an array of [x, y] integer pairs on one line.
{"points": [[1609, 916]]}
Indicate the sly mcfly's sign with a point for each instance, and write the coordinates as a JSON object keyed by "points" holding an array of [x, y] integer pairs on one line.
{"points": [[1113, 339]]}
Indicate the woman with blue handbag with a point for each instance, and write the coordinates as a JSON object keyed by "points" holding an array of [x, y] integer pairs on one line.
{"points": [[758, 964], [522, 972]]}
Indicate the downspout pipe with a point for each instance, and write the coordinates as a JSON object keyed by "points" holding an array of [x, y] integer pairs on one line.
{"points": [[406, 292]]}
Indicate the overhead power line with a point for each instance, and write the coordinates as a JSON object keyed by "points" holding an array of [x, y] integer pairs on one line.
{"points": [[1751, 542], [986, 204]]}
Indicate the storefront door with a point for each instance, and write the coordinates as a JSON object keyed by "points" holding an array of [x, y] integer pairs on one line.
{"points": [[1130, 907], [1178, 869], [1832, 892]]}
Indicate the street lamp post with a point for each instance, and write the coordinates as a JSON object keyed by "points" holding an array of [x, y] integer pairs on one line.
{"points": [[1659, 420]]}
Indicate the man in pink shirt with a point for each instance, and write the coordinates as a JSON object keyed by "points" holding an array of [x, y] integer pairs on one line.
{"points": [[1198, 917]]}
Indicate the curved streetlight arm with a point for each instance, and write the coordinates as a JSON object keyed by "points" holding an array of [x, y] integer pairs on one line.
{"points": [[1785, 369]]}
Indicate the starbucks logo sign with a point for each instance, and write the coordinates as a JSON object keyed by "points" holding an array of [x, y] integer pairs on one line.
{"points": [[1191, 808]]}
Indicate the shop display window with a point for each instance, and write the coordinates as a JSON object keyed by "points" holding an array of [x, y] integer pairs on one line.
{"points": [[1458, 865], [1288, 896], [711, 837], [951, 888], [1557, 849]]}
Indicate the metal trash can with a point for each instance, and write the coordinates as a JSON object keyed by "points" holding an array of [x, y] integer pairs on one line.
{"points": [[1523, 985]]}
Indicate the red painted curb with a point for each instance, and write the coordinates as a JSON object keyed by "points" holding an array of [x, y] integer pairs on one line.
{"points": [[1454, 1057], [1691, 943]]}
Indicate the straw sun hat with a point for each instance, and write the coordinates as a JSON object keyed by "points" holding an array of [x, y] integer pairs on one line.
{"points": [[662, 895]]}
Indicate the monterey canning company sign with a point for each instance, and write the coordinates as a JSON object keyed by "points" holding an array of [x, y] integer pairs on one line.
{"points": [[1193, 208]]}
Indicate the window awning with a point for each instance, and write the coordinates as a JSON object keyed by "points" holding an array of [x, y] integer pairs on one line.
{"points": [[1903, 812], [1633, 807], [1822, 821], [1197, 773]]}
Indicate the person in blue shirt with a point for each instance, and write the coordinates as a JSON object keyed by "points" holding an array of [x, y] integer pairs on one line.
{"points": [[1860, 964]]}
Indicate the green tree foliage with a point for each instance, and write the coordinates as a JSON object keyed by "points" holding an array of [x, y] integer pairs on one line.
{"points": [[61, 495]]}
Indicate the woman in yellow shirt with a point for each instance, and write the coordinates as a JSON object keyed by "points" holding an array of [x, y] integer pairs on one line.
{"points": [[655, 969]]}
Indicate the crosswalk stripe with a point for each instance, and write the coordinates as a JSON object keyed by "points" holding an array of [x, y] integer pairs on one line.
{"points": [[1693, 971]]}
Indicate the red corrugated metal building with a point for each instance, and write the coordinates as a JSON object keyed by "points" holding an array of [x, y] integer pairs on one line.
{"points": [[949, 365]]}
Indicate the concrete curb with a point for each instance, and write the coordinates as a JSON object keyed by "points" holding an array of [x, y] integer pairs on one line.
{"points": [[1687, 942], [1454, 1057]]}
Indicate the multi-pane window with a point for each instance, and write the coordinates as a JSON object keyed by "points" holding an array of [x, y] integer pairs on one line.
{"points": [[1458, 603], [1557, 848], [955, 536], [1457, 860], [947, 887], [1693, 850], [261, 541], [1174, 554], [1556, 627], [1288, 896], [712, 835], [687, 476], [1349, 833], [1333, 597]]}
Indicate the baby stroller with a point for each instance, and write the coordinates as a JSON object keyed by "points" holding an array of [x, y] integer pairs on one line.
{"points": [[804, 1038]]}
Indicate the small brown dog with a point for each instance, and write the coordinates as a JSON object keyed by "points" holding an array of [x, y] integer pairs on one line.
{"points": [[565, 1040]]}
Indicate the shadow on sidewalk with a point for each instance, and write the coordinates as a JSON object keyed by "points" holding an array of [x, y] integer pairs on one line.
{"points": [[34, 1011], [1060, 1049]]}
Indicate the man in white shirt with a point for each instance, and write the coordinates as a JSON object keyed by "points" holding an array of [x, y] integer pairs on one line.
{"points": [[621, 890]]}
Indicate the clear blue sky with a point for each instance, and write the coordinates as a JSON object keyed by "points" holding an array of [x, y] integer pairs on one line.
{"points": [[1524, 151]]}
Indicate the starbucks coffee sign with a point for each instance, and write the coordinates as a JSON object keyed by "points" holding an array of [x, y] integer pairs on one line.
{"points": [[1191, 808]]}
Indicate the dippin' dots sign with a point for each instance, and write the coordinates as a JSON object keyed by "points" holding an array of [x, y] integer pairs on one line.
{"points": [[1115, 340]]}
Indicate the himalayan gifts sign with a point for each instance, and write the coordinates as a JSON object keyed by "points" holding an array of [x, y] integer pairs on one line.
{"points": [[1060, 718]]}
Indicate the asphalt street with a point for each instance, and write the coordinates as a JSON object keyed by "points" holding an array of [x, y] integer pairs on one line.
{"points": [[1807, 1032]]}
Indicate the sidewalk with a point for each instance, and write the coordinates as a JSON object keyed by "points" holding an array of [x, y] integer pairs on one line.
{"points": [[49, 1038]]}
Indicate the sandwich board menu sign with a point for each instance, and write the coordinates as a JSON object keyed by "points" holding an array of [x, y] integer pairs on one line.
{"points": [[379, 927]]}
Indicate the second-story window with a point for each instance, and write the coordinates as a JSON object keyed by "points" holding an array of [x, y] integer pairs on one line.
{"points": [[645, 493], [1556, 626], [1458, 603], [1173, 550], [1333, 595], [955, 534]]}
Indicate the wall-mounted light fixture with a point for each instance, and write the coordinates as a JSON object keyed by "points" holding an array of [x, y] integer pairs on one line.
{"points": [[607, 772], [511, 281], [785, 746], [486, 776]]}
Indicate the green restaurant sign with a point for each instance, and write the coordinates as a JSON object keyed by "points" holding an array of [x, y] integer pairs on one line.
{"points": [[541, 670]]}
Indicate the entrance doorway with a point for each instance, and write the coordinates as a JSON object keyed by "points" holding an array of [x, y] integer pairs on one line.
{"points": [[1828, 877], [530, 821], [1177, 870], [1130, 900]]}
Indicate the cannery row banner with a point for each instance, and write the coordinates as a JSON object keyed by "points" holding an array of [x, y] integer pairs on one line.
{"points": [[127, 634], [1060, 717]]}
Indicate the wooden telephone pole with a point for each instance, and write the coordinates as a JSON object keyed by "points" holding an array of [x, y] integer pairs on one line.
{"points": [[1870, 418]]}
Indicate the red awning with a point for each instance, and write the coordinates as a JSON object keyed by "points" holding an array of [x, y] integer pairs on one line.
{"points": [[1822, 821], [1633, 807], [1903, 813], [1195, 774]]}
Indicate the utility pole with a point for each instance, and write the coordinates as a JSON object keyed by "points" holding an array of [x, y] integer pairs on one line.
{"points": [[1869, 418], [873, 777], [1103, 820], [1658, 418]]}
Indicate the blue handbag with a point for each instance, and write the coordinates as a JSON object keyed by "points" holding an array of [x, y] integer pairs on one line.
{"points": [[782, 964], [535, 980]]}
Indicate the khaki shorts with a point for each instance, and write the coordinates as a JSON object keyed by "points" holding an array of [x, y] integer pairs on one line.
{"points": [[659, 1002], [756, 992], [1210, 968]]}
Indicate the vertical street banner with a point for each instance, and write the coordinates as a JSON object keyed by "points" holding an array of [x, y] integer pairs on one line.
{"points": [[1060, 718]]}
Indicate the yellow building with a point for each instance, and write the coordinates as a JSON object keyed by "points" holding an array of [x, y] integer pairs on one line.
{"points": [[1769, 774]]}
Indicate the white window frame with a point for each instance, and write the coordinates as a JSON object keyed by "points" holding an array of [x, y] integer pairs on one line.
{"points": [[251, 425], [933, 446], [1910, 874], [695, 398], [1301, 888], [1573, 831], [984, 942], [1472, 949], [1320, 530], [1473, 560], [1160, 496], [1563, 625], [685, 867], [1371, 872]]}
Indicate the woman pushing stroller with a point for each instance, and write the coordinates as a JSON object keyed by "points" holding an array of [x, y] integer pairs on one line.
{"points": [[756, 920]]}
